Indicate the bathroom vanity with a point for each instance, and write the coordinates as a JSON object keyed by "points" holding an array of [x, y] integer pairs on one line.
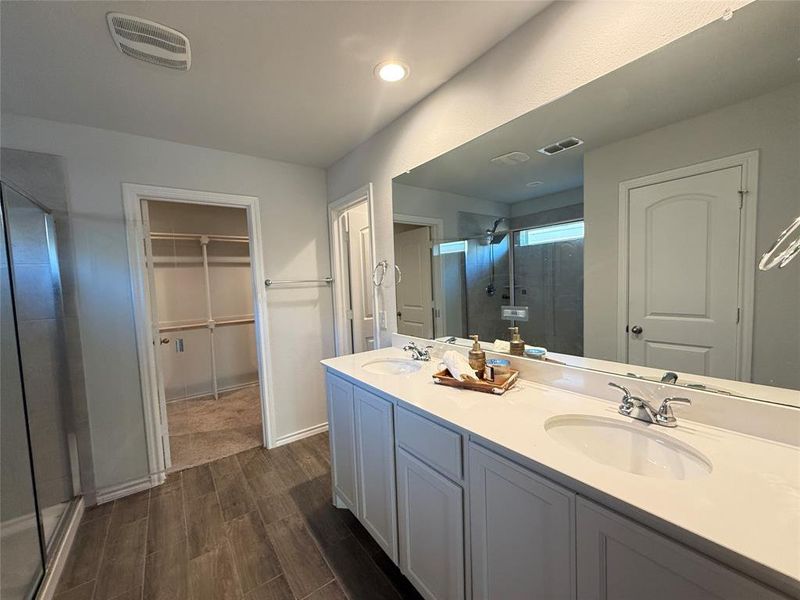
{"points": [[545, 492]]}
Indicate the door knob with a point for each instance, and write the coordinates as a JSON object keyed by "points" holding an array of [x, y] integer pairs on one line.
{"points": [[636, 330], [164, 341]]}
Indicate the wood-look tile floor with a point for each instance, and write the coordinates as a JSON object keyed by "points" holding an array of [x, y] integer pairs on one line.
{"points": [[258, 525], [204, 429]]}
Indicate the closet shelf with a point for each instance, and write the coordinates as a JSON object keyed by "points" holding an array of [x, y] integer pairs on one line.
{"points": [[205, 324]]}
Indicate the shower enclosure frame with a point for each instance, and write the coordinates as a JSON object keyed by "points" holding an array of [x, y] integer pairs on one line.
{"points": [[152, 396]]}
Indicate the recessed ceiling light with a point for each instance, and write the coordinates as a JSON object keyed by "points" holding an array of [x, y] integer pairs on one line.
{"points": [[391, 71]]}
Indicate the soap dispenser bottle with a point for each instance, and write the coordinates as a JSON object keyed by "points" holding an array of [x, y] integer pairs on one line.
{"points": [[517, 344], [477, 357]]}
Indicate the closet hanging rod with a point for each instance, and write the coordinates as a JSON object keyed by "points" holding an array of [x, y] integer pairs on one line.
{"points": [[204, 324], [271, 282], [241, 239]]}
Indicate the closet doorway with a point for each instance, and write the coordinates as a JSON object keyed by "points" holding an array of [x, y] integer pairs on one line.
{"points": [[202, 313]]}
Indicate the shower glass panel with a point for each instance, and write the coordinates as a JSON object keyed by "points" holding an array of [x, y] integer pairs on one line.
{"points": [[21, 545], [40, 327], [548, 279]]}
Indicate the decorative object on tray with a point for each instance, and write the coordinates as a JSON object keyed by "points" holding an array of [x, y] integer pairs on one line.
{"points": [[445, 378]]}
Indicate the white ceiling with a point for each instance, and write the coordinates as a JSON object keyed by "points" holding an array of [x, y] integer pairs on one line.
{"points": [[290, 81], [757, 51]]}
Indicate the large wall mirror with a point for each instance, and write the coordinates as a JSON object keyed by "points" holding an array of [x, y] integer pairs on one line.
{"points": [[620, 226]]}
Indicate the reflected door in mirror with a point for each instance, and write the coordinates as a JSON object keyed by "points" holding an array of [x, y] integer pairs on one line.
{"points": [[684, 274], [412, 253]]}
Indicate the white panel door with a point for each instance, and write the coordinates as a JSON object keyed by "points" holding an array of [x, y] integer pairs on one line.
{"points": [[522, 532], [683, 262], [342, 426], [431, 524], [360, 267], [412, 253], [376, 478]]}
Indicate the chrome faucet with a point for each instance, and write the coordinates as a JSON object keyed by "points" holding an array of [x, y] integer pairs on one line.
{"points": [[639, 408], [418, 353]]}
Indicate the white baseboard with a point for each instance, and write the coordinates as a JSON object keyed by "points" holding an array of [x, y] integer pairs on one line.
{"points": [[121, 490], [230, 388], [59, 559], [299, 435]]}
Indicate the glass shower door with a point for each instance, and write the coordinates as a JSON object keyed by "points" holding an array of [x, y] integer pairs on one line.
{"points": [[548, 279], [21, 545], [36, 281]]}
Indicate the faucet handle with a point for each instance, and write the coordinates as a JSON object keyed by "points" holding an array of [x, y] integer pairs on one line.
{"points": [[665, 416], [620, 387]]}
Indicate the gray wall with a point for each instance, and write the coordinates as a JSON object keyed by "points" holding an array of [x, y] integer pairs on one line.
{"points": [[294, 230], [770, 124]]}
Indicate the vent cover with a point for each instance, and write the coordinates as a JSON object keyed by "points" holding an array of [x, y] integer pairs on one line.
{"points": [[566, 144], [511, 159], [150, 41]]}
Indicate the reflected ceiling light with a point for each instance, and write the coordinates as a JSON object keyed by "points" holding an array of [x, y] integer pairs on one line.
{"points": [[511, 159], [533, 183], [391, 71]]}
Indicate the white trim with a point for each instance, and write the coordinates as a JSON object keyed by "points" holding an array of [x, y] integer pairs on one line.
{"points": [[222, 390], [120, 490], [336, 209], [437, 233], [132, 195], [748, 161], [59, 558], [299, 435]]}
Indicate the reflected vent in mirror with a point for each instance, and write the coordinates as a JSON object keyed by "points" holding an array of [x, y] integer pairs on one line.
{"points": [[565, 144], [150, 41]]}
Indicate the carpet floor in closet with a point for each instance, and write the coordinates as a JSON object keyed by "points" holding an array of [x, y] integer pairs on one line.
{"points": [[204, 429]]}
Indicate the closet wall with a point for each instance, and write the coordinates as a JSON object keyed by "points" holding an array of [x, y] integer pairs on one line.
{"points": [[179, 278]]}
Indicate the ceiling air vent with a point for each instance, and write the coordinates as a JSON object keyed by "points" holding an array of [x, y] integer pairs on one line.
{"points": [[150, 41], [510, 159], [566, 144]]}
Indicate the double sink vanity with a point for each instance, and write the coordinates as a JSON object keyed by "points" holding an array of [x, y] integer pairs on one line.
{"points": [[549, 492]]}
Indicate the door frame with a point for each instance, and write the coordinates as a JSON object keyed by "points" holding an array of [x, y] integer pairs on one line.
{"points": [[132, 195], [343, 343], [748, 161], [437, 233]]}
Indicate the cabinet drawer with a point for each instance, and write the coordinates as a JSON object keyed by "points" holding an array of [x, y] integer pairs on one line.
{"points": [[436, 445]]}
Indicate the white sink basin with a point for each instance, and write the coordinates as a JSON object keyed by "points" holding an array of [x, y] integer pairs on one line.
{"points": [[632, 447], [392, 366]]}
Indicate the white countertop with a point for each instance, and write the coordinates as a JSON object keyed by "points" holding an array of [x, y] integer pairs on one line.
{"points": [[749, 503]]}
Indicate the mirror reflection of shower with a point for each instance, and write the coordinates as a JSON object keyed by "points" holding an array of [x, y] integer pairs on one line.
{"points": [[492, 237]]}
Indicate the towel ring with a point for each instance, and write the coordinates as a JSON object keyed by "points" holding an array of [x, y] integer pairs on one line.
{"points": [[383, 266], [770, 259]]}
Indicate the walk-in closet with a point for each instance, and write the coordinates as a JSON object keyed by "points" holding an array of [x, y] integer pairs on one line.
{"points": [[202, 305]]}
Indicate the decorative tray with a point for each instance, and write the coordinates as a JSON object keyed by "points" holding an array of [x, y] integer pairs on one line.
{"points": [[444, 378]]}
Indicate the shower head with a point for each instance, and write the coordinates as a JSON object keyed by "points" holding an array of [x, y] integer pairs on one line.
{"points": [[495, 236]]}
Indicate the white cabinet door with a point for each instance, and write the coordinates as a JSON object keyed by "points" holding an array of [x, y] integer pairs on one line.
{"points": [[621, 560], [431, 522], [342, 423], [376, 476], [522, 532]]}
